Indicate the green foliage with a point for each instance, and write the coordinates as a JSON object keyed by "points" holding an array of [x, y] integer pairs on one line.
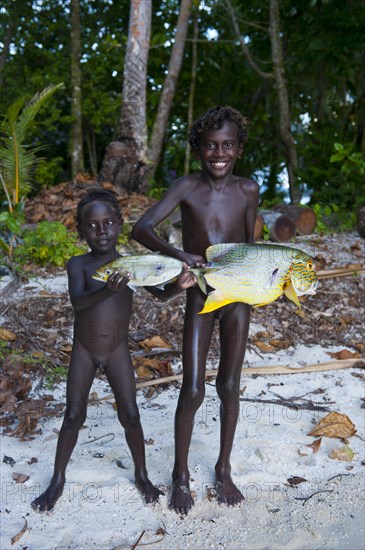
{"points": [[47, 170], [55, 375], [10, 228], [17, 160], [49, 243], [331, 218]]}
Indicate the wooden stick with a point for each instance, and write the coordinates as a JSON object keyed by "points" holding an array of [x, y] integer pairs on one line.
{"points": [[340, 272], [276, 369]]}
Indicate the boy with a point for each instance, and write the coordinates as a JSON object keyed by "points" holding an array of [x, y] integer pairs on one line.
{"points": [[102, 314], [216, 207]]}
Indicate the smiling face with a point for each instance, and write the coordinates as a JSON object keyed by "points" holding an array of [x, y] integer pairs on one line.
{"points": [[219, 150], [100, 226]]}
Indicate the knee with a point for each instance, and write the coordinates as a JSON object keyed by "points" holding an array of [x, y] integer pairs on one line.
{"points": [[228, 389], [75, 417], [192, 397], [129, 415]]}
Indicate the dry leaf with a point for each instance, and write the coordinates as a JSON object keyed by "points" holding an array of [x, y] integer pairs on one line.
{"points": [[315, 445], [280, 344], [345, 454], [16, 537], [6, 334], [344, 354], [155, 342], [149, 441], [20, 478], [334, 425], [295, 480], [264, 347]]}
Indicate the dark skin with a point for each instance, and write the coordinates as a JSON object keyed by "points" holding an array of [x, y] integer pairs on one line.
{"points": [[102, 314], [216, 207]]}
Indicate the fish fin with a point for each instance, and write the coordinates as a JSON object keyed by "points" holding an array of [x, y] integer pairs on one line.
{"points": [[263, 303], [290, 293], [200, 280], [132, 287], [214, 301], [216, 251]]}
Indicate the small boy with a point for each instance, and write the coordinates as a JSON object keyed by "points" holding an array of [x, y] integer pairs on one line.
{"points": [[216, 207], [102, 314]]}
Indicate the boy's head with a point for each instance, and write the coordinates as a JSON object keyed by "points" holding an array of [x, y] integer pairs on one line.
{"points": [[214, 119], [97, 194]]}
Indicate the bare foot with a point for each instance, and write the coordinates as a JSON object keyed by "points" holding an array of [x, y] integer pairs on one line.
{"points": [[228, 493], [150, 492], [48, 499], [181, 500]]}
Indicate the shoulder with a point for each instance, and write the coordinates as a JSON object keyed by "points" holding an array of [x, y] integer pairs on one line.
{"points": [[76, 262], [250, 186], [182, 186]]}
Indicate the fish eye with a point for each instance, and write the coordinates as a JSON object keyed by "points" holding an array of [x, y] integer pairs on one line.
{"points": [[159, 267], [310, 265], [108, 271]]}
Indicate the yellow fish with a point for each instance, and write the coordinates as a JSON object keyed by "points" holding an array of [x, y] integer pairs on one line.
{"points": [[257, 274]]}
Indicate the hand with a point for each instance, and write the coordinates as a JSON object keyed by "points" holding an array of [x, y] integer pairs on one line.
{"points": [[186, 278], [192, 260], [117, 282]]}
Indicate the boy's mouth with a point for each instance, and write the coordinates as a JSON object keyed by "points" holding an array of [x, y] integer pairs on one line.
{"points": [[218, 164]]}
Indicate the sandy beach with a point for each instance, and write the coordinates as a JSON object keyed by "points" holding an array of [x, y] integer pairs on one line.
{"points": [[297, 496], [101, 509]]}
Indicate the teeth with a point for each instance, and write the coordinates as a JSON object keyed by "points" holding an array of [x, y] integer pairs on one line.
{"points": [[218, 164]]}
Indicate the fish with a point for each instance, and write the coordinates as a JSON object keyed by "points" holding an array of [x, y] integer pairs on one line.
{"points": [[148, 270], [257, 274]]}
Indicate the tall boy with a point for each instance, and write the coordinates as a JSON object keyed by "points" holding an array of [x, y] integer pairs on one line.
{"points": [[216, 207]]}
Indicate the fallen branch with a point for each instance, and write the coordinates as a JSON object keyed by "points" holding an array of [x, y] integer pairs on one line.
{"points": [[316, 493], [340, 272], [309, 406]]}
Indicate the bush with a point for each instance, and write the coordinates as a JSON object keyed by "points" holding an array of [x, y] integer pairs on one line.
{"points": [[49, 243]]}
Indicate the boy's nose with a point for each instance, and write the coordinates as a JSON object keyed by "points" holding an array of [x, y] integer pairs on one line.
{"points": [[102, 229]]}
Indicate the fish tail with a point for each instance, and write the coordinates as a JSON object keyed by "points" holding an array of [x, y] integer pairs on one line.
{"points": [[214, 301]]}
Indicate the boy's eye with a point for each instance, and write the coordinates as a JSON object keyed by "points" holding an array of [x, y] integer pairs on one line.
{"points": [[229, 145], [109, 222], [210, 145]]}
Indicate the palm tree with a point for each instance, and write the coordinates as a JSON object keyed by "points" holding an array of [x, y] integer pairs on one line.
{"points": [[17, 160]]}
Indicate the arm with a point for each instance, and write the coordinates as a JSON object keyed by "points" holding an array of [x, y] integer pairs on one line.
{"points": [[252, 190], [83, 299], [143, 230]]}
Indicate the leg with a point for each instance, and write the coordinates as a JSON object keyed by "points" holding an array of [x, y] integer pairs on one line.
{"points": [[120, 374], [196, 340], [234, 325], [80, 377]]}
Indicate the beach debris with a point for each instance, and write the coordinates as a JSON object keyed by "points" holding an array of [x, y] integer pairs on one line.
{"points": [[6, 334], [19, 478], [295, 480], [334, 425], [315, 445], [33, 460], [344, 354], [16, 537], [345, 453], [305, 499], [120, 464], [9, 460]]}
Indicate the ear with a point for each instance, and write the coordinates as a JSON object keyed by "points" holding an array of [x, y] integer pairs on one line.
{"points": [[240, 151]]}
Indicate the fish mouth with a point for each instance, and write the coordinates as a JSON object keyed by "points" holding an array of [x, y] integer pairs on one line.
{"points": [[310, 290]]}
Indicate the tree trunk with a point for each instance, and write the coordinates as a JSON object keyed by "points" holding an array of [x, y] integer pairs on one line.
{"points": [[281, 228], [77, 154], [194, 63], [284, 116], [304, 218], [125, 162], [169, 86], [361, 222]]}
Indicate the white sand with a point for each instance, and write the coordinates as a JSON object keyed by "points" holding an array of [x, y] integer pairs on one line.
{"points": [[101, 509]]}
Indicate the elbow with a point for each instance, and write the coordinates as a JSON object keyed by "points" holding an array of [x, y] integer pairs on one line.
{"points": [[137, 232]]}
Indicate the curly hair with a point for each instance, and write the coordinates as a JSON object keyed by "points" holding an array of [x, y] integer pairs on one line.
{"points": [[214, 119], [98, 194]]}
